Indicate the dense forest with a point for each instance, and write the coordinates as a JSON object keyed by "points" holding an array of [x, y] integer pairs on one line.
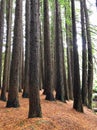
{"points": [[48, 46]]}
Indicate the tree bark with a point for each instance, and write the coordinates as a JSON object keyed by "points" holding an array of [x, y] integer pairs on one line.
{"points": [[2, 8], [47, 55], [69, 48], [34, 99], [84, 56], [6, 71], [77, 105], [13, 100], [60, 94], [90, 60], [27, 51]]}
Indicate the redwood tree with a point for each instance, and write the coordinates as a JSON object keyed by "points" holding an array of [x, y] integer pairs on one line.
{"points": [[77, 91], [68, 26], [27, 51], [90, 56], [34, 99], [2, 7], [60, 93], [13, 100], [6, 71], [84, 55], [47, 55]]}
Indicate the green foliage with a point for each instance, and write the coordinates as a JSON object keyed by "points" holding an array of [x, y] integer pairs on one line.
{"points": [[62, 2], [95, 86]]}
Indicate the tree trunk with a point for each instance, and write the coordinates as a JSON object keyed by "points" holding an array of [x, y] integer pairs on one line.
{"points": [[6, 71], [60, 94], [27, 51], [69, 47], [90, 60], [13, 100], [77, 105], [34, 99], [47, 55], [21, 65], [84, 56], [2, 8], [41, 58]]}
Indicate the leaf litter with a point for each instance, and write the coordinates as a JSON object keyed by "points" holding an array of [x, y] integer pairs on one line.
{"points": [[56, 116]]}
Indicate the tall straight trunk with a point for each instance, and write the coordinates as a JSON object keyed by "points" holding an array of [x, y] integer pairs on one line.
{"points": [[66, 91], [84, 56], [66, 94], [41, 59], [13, 100], [27, 51], [6, 71], [21, 65], [90, 57], [47, 54], [41, 47], [34, 99], [69, 47], [2, 8], [77, 105], [60, 94], [52, 37]]}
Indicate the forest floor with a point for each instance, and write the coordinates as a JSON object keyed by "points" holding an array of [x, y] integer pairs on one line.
{"points": [[56, 116]]}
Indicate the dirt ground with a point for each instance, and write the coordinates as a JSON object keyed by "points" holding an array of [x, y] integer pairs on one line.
{"points": [[56, 116]]}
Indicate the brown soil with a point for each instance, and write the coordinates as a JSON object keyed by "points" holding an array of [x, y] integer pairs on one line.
{"points": [[56, 116]]}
